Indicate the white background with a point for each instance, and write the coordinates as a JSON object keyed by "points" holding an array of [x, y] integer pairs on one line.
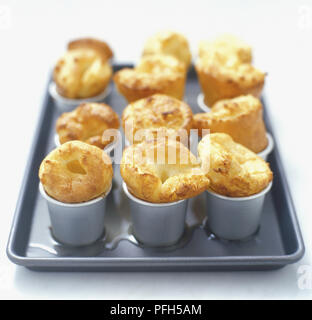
{"points": [[32, 36]]}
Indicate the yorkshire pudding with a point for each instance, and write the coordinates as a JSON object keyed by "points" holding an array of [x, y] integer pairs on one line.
{"points": [[162, 171], [76, 172], [239, 117], [157, 114], [154, 74], [87, 123], [84, 70], [170, 43], [225, 71], [233, 170], [89, 43]]}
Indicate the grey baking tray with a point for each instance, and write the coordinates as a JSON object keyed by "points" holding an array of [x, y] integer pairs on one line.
{"points": [[278, 241]]}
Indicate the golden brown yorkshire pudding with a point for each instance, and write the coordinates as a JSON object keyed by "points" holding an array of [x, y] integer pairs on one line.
{"points": [[225, 71], [154, 74], [90, 43], [229, 47], [162, 171], [76, 172], [239, 117], [170, 43], [157, 114], [87, 123], [84, 70], [233, 170]]}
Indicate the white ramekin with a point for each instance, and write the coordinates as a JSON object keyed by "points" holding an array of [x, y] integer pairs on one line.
{"points": [[76, 224], [264, 153], [201, 103], [234, 218], [66, 104], [156, 224]]}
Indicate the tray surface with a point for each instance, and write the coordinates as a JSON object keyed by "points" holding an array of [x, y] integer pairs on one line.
{"points": [[277, 242]]}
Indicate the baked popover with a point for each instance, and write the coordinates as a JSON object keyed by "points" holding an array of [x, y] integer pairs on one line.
{"points": [[162, 170], [155, 115], [170, 43], [225, 71], [229, 45], [87, 123], [233, 170], [154, 74], [84, 70], [76, 172], [240, 117], [90, 43]]}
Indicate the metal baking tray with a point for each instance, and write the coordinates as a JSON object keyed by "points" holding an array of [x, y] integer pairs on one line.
{"points": [[278, 241]]}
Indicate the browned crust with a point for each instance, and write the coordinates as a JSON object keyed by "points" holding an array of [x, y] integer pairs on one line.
{"points": [[100, 46], [73, 80], [153, 182], [234, 170], [66, 186], [245, 126], [137, 88], [218, 88], [87, 123], [158, 112], [170, 43]]}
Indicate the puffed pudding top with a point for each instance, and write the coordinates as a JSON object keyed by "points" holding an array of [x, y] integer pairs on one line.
{"points": [[162, 171], [240, 117], [76, 172], [87, 123], [160, 65], [229, 47], [230, 59], [156, 113], [233, 170], [153, 74], [89, 43], [84, 70], [170, 43]]}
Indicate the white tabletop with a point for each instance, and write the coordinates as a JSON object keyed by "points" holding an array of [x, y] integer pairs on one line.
{"points": [[33, 35]]}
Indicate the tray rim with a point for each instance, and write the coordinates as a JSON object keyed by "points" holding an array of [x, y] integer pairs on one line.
{"points": [[109, 262]]}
